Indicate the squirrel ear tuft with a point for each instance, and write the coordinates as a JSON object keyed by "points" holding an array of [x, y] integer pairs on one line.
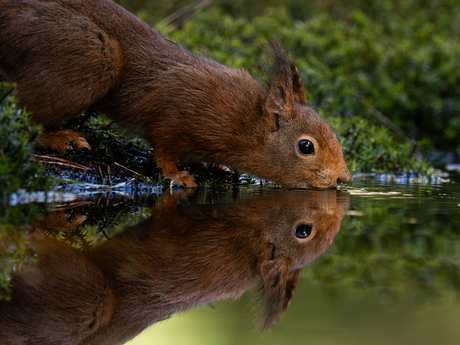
{"points": [[286, 86], [297, 85]]}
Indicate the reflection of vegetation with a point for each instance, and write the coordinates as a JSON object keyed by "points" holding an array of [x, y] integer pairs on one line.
{"points": [[96, 217], [103, 215], [16, 136], [14, 227], [398, 246]]}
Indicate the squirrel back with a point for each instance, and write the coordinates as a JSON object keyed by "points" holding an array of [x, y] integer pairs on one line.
{"points": [[68, 56]]}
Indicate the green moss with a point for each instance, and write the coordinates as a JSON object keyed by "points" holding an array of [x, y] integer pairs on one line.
{"points": [[366, 78], [16, 137]]}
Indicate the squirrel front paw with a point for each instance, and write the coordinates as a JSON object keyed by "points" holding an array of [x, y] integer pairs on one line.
{"points": [[60, 140], [168, 165], [185, 179]]}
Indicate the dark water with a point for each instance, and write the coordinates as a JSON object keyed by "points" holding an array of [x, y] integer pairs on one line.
{"points": [[373, 264]]}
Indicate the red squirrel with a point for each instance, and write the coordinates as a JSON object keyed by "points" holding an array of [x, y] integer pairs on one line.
{"points": [[182, 256], [68, 56]]}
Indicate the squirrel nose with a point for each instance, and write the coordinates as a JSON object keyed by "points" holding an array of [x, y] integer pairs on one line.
{"points": [[344, 176]]}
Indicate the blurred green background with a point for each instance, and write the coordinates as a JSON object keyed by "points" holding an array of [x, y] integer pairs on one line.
{"points": [[313, 319], [386, 74]]}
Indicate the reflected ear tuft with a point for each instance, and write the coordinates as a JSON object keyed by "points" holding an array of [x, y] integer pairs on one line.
{"points": [[279, 285]]}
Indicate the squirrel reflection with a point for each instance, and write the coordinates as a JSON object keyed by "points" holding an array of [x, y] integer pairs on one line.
{"points": [[182, 256]]}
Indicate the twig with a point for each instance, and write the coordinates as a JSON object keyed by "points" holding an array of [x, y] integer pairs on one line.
{"points": [[102, 176], [108, 171], [103, 232], [62, 160], [182, 13], [454, 32], [382, 118], [106, 127], [379, 155], [124, 183], [121, 166], [108, 196], [70, 205], [6, 94], [64, 164]]}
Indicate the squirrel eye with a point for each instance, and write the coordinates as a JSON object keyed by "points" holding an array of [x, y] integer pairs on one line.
{"points": [[306, 147], [303, 230]]}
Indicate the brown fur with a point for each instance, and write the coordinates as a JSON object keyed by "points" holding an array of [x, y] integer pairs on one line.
{"points": [[180, 257], [58, 221], [67, 56]]}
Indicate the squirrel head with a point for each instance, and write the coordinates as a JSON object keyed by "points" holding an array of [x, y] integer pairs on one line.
{"points": [[301, 149]]}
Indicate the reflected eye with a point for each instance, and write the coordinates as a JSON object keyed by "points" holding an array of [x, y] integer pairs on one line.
{"points": [[303, 230], [306, 147]]}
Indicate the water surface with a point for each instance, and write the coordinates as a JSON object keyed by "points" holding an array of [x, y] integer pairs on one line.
{"points": [[391, 276], [376, 263]]}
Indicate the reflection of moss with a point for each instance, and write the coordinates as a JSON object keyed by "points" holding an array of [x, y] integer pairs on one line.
{"points": [[14, 227], [16, 136], [397, 246], [106, 214]]}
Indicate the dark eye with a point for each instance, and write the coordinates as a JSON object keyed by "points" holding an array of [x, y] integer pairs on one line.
{"points": [[303, 230], [306, 147]]}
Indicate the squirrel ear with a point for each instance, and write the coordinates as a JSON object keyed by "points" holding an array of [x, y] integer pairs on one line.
{"points": [[279, 103], [280, 99], [286, 86], [279, 285], [297, 85]]}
